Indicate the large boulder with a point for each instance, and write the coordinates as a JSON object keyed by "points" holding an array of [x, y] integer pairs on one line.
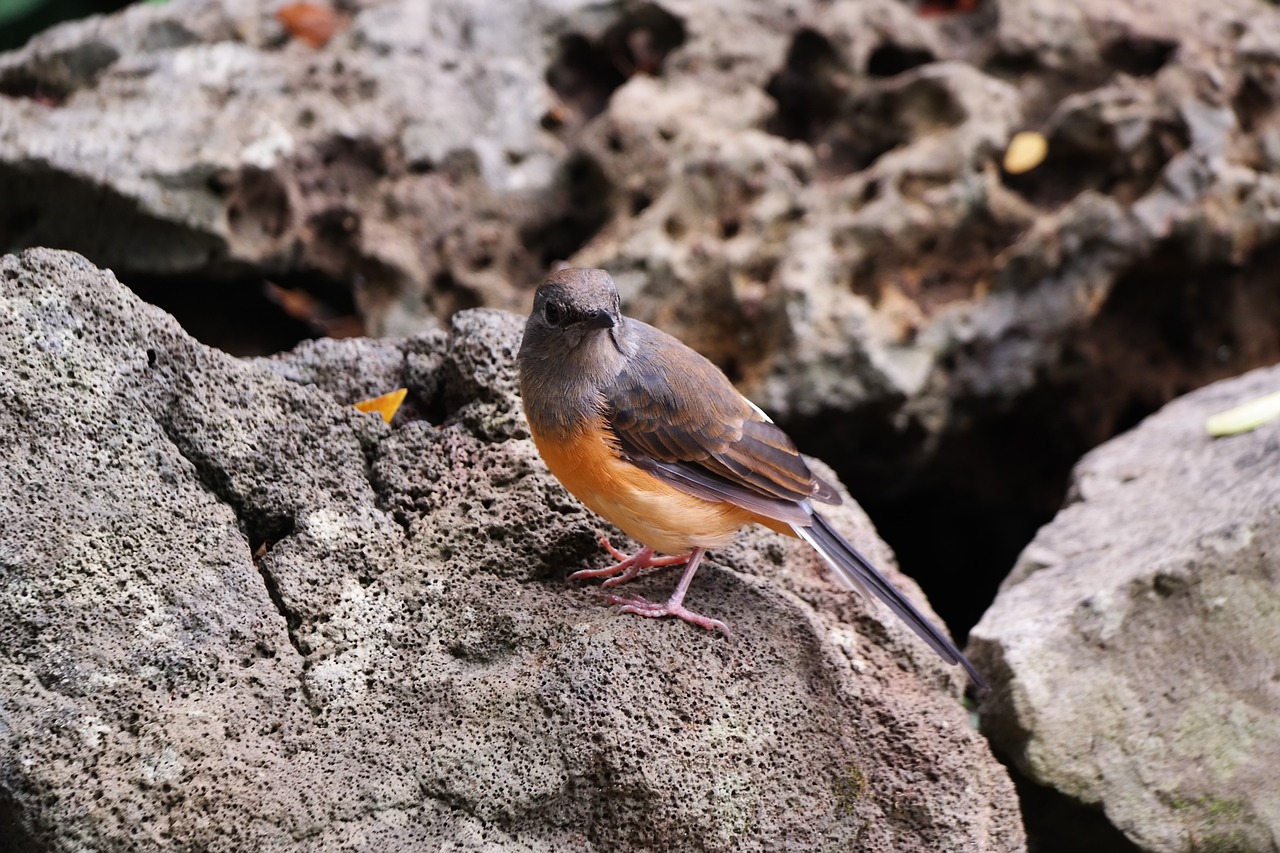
{"points": [[236, 614], [1136, 645], [808, 192]]}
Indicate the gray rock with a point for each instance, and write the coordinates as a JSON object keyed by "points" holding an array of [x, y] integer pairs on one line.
{"points": [[403, 155], [1136, 643], [238, 615], [808, 192], [849, 242]]}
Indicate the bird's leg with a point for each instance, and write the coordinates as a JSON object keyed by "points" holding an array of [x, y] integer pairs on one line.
{"points": [[674, 605], [627, 567]]}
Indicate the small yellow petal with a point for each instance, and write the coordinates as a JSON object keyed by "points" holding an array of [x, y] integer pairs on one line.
{"points": [[1026, 151], [386, 405], [1245, 417]]}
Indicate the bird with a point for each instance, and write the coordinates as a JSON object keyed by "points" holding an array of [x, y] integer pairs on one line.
{"points": [[654, 438]]}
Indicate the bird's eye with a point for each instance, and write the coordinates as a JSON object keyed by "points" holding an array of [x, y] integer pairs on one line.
{"points": [[551, 311]]}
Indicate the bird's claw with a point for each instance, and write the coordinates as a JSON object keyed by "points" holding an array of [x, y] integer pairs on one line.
{"points": [[627, 567], [652, 610]]}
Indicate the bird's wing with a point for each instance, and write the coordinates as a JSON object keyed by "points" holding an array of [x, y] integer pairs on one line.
{"points": [[677, 416]]}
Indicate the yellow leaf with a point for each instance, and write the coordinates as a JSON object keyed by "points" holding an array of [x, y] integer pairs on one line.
{"points": [[1026, 151], [386, 405], [1245, 417]]}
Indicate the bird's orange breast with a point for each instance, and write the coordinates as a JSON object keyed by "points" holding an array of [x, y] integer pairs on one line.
{"points": [[648, 510]]}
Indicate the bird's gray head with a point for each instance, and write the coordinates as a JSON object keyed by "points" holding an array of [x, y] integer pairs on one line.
{"points": [[575, 301], [572, 309], [575, 340]]}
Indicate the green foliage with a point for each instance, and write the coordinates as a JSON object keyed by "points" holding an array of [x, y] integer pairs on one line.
{"points": [[21, 19], [11, 10]]}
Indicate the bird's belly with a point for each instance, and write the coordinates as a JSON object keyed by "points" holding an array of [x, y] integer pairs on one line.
{"points": [[642, 506]]}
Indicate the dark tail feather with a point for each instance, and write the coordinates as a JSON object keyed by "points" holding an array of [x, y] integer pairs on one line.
{"points": [[858, 571]]}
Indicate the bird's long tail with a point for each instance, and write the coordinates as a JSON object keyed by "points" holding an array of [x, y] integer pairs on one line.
{"points": [[857, 571]]}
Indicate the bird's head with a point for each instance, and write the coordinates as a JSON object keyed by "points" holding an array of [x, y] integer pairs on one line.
{"points": [[576, 336], [571, 304]]}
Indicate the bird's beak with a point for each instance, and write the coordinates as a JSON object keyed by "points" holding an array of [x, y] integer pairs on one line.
{"points": [[598, 319]]}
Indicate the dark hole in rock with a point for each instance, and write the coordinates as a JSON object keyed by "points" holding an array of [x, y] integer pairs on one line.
{"points": [[639, 41], [19, 84], [257, 205], [54, 77], [806, 89], [348, 157], [890, 59], [1138, 56], [13, 828], [587, 72], [334, 225], [243, 315], [1084, 154], [958, 518], [577, 210], [420, 167], [850, 127], [263, 531], [1057, 823], [1010, 66], [1255, 110], [1252, 105], [582, 76]]}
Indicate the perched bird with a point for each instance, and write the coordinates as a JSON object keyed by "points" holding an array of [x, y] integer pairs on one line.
{"points": [[653, 437]]}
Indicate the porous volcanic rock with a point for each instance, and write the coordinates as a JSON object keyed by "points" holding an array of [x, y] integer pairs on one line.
{"points": [[236, 614], [808, 192]]}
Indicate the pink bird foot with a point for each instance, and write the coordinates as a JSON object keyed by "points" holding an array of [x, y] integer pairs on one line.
{"points": [[674, 605], [627, 567], [652, 610]]}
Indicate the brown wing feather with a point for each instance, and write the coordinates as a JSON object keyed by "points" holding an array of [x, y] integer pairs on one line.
{"points": [[676, 415]]}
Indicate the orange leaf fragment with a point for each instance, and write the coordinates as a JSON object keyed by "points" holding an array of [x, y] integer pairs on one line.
{"points": [[310, 22], [305, 308], [386, 405]]}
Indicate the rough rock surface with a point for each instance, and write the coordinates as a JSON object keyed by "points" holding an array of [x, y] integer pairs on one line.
{"points": [[1136, 645], [403, 160], [235, 614], [807, 191], [810, 191]]}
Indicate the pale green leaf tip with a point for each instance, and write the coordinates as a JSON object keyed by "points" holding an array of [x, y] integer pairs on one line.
{"points": [[1245, 417]]}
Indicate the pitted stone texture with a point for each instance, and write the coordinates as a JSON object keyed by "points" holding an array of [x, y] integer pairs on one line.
{"points": [[137, 633], [1135, 645], [807, 192], [349, 370], [848, 240], [238, 615], [405, 155]]}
